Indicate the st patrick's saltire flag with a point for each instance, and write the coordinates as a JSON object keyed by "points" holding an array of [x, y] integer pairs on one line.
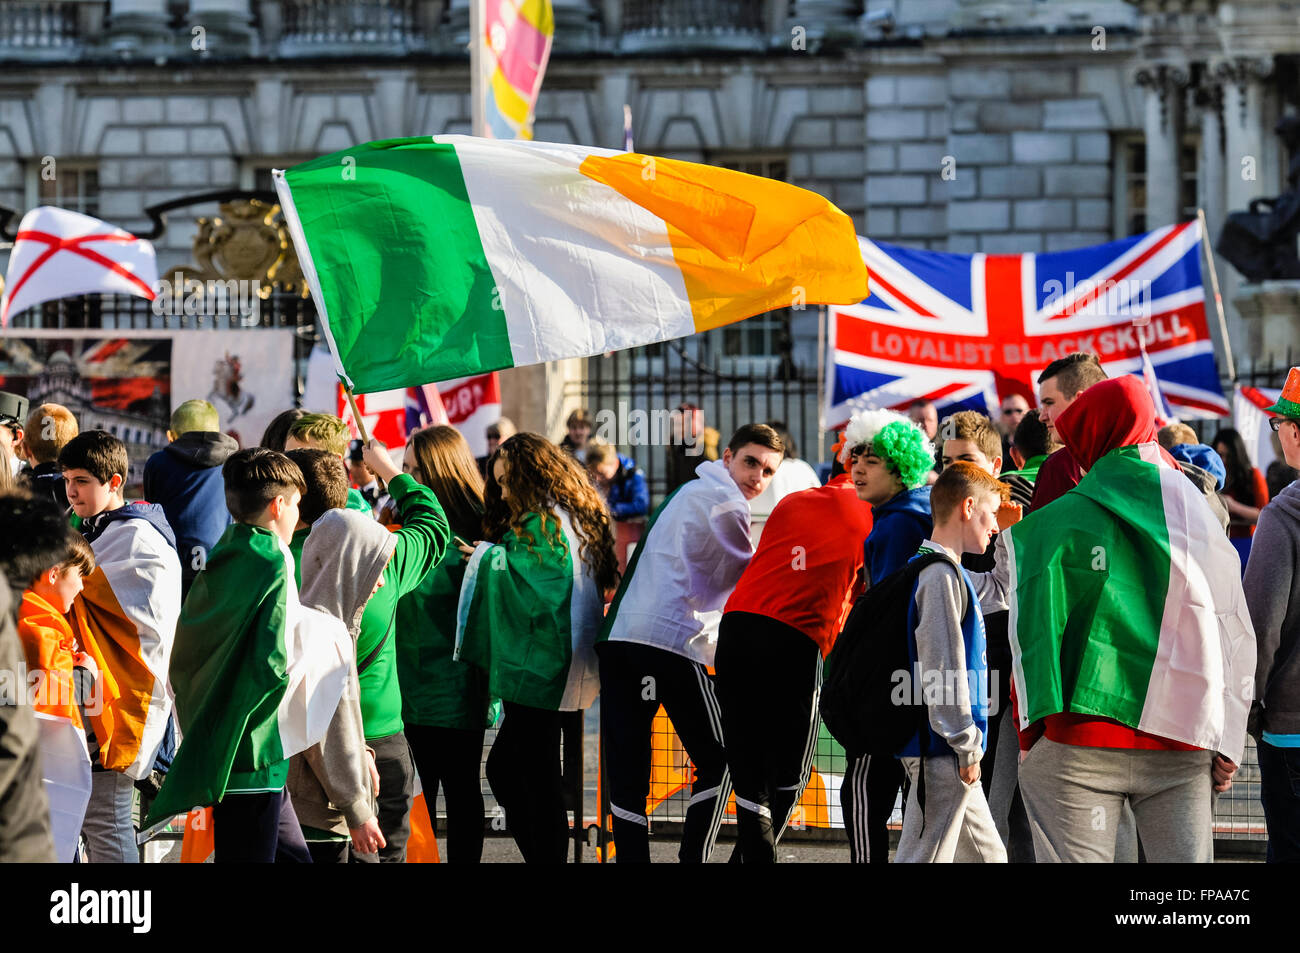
{"points": [[58, 253], [1127, 604], [516, 43], [440, 257], [967, 330]]}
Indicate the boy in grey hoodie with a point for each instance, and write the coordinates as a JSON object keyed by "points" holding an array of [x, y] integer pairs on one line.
{"points": [[334, 783], [1272, 585]]}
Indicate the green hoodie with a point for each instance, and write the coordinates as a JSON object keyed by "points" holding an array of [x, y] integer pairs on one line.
{"points": [[421, 543]]}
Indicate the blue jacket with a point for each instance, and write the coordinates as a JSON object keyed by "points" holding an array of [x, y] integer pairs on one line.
{"points": [[628, 494], [1200, 455], [898, 528], [184, 478], [974, 648]]}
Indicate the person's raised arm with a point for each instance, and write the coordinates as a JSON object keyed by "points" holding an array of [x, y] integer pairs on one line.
{"points": [[425, 532]]}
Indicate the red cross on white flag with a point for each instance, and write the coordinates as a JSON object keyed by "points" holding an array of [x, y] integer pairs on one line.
{"points": [[58, 254]]}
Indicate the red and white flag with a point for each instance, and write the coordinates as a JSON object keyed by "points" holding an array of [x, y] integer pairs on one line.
{"points": [[473, 404], [470, 404], [58, 253], [1248, 414]]}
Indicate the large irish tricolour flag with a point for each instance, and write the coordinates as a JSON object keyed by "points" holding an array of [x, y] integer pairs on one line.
{"points": [[1127, 604], [439, 257]]}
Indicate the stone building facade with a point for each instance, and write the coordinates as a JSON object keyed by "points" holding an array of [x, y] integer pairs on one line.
{"points": [[963, 125]]}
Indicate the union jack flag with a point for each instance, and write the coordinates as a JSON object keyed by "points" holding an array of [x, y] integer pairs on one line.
{"points": [[967, 330]]}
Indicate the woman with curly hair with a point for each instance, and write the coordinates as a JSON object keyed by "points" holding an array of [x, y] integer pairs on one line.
{"points": [[530, 609]]}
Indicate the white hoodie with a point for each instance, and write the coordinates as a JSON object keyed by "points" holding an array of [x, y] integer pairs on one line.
{"points": [[686, 568]]}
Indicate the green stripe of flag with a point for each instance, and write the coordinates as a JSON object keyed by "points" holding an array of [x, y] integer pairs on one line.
{"points": [[1091, 591], [403, 277]]}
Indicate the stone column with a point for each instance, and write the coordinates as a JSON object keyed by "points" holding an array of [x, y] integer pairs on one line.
{"points": [[825, 19], [1163, 126], [576, 24], [1210, 177], [1244, 143], [140, 28], [1243, 127], [611, 12], [226, 25]]}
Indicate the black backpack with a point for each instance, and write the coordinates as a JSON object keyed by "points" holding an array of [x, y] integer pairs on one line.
{"points": [[860, 693]]}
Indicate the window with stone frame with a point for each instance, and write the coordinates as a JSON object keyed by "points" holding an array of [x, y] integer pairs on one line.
{"points": [[65, 183], [763, 338], [1130, 178]]}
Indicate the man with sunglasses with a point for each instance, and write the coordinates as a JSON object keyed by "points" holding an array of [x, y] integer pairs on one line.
{"points": [[1014, 408], [1272, 585], [13, 411]]}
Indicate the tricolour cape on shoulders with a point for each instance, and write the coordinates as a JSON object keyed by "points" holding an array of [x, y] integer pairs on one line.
{"points": [[1127, 604], [257, 676], [529, 613]]}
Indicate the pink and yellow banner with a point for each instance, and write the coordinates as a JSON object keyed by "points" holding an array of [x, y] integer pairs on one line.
{"points": [[516, 43]]}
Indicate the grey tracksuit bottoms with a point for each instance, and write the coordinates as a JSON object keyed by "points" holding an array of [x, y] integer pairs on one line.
{"points": [[1076, 796], [955, 824]]}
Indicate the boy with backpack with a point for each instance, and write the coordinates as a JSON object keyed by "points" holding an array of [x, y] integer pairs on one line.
{"points": [[890, 459], [947, 817], [184, 478]]}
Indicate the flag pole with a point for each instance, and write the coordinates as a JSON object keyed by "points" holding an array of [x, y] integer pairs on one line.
{"points": [[1218, 297], [478, 116], [821, 384], [356, 415]]}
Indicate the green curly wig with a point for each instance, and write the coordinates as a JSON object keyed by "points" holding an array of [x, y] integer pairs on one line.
{"points": [[909, 454]]}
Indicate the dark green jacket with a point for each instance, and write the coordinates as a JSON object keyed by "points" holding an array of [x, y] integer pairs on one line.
{"points": [[437, 691], [421, 543]]}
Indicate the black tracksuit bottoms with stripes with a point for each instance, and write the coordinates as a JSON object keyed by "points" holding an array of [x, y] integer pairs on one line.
{"points": [[635, 680], [769, 679]]}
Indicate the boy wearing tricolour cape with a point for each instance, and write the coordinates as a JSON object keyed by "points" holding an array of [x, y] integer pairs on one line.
{"points": [[947, 816], [125, 619], [257, 676]]}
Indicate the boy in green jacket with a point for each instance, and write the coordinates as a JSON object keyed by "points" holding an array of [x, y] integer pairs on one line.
{"points": [[257, 676]]}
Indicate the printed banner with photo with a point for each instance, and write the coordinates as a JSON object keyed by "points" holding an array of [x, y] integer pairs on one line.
{"points": [[248, 375], [122, 384]]}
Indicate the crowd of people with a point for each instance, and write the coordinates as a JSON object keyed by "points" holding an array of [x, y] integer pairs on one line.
{"points": [[294, 633]]}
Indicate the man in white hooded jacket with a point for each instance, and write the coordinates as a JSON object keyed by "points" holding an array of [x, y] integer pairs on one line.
{"points": [[659, 639]]}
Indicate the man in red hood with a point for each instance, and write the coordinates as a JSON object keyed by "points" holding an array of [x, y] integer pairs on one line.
{"points": [[1059, 386], [1075, 756]]}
